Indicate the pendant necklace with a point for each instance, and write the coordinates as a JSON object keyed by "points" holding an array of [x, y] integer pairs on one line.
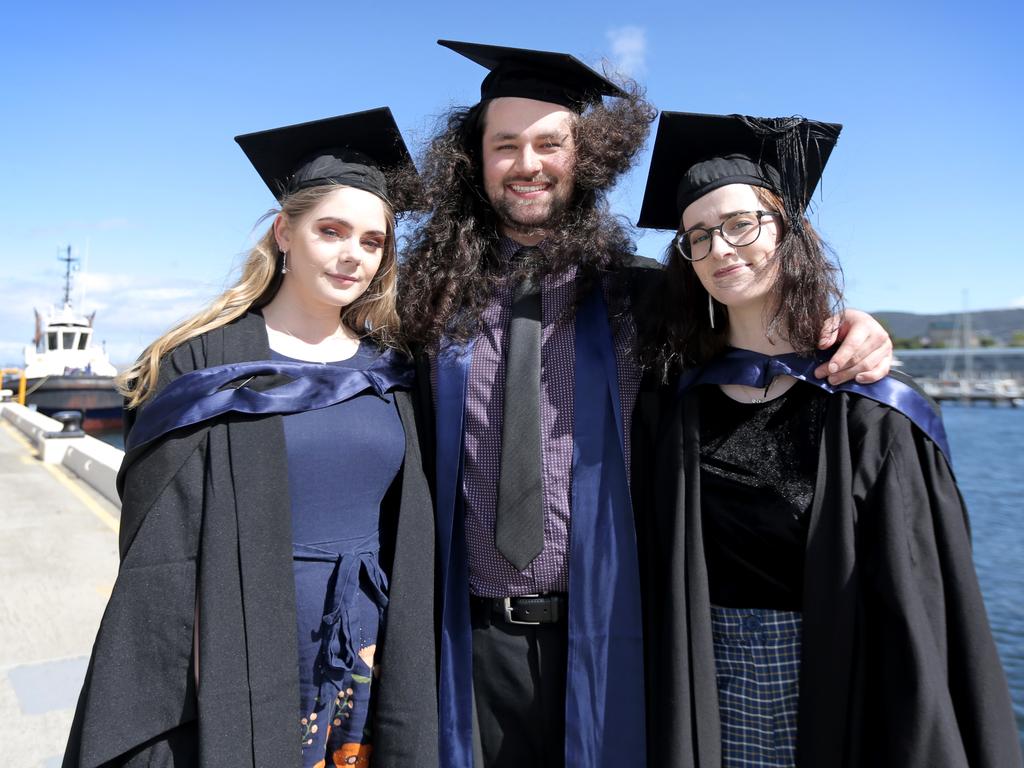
{"points": [[765, 395], [325, 354]]}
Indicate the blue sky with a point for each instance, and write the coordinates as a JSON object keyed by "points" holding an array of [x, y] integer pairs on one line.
{"points": [[119, 118]]}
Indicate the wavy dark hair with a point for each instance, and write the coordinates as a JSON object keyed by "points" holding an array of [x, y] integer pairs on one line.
{"points": [[450, 267], [674, 326]]}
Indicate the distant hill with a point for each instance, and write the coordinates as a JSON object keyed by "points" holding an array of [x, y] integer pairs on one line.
{"points": [[999, 324]]}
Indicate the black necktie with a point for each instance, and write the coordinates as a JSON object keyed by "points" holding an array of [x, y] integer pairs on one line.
{"points": [[519, 519]]}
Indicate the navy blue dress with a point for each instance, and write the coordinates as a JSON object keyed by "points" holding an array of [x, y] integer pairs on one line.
{"points": [[341, 461]]}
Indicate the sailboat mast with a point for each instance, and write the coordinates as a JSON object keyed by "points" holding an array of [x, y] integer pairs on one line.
{"points": [[968, 361]]}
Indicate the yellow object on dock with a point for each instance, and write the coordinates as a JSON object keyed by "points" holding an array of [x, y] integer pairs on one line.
{"points": [[21, 381]]}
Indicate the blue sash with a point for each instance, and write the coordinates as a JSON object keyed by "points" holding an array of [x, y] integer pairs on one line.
{"points": [[455, 681], [753, 369], [204, 394], [604, 721], [604, 724]]}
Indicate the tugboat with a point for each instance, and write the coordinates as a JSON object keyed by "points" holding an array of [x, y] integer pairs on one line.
{"points": [[65, 371]]}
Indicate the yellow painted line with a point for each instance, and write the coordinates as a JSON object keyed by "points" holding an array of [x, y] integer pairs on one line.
{"points": [[18, 435], [105, 517]]}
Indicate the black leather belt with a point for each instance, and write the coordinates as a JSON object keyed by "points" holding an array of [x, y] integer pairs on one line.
{"points": [[524, 609]]}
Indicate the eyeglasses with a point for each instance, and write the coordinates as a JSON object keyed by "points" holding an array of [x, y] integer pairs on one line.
{"points": [[739, 229]]}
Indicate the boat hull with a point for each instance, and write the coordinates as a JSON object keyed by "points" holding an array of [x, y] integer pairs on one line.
{"points": [[95, 396]]}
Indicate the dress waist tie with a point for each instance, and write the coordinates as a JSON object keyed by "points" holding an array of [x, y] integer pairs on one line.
{"points": [[338, 627]]}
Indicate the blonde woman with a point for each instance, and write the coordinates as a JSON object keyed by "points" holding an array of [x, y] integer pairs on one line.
{"points": [[274, 502]]}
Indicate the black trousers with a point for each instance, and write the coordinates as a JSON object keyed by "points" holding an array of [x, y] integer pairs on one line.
{"points": [[519, 692]]}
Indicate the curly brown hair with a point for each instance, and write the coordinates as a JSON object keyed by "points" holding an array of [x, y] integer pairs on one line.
{"points": [[450, 267], [674, 327]]}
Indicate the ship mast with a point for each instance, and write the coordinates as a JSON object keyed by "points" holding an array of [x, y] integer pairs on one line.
{"points": [[68, 259]]}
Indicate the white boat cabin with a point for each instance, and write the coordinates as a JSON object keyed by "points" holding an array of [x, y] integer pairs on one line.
{"points": [[63, 347]]}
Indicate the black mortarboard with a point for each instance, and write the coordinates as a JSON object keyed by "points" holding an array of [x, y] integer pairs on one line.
{"points": [[350, 149], [542, 75], [694, 154]]}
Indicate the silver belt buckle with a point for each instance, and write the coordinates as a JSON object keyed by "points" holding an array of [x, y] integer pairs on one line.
{"points": [[507, 603]]}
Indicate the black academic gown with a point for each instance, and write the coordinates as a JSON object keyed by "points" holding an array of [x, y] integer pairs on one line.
{"points": [[899, 669], [206, 531]]}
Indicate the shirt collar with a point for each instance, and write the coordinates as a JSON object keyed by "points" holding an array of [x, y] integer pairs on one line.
{"points": [[508, 248]]}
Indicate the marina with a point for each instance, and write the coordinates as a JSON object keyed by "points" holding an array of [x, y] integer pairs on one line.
{"points": [[968, 375], [971, 391]]}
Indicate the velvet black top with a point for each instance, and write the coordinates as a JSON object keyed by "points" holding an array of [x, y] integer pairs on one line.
{"points": [[758, 463]]}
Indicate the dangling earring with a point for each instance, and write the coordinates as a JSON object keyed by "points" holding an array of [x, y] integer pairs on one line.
{"points": [[284, 262], [711, 310]]}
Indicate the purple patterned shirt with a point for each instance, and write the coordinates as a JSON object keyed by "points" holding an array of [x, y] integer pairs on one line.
{"points": [[490, 574]]}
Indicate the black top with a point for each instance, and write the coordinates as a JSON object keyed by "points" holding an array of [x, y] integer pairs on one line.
{"points": [[757, 469]]}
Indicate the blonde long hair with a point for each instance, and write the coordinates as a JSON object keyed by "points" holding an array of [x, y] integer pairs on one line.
{"points": [[373, 315]]}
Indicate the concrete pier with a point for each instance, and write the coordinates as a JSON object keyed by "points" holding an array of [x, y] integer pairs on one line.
{"points": [[58, 561]]}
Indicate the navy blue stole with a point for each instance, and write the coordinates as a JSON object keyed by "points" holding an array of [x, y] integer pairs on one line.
{"points": [[201, 395], [455, 676], [604, 688], [753, 369]]}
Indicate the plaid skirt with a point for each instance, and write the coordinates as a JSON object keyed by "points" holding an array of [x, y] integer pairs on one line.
{"points": [[757, 666]]}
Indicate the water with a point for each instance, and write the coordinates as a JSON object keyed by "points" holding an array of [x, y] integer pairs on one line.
{"points": [[987, 444], [988, 457], [115, 438]]}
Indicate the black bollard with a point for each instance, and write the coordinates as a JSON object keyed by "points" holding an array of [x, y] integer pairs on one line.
{"points": [[71, 424]]}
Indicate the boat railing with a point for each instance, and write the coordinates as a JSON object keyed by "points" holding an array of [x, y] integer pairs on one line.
{"points": [[20, 373]]}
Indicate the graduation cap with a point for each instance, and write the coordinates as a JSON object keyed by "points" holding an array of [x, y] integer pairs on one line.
{"points": [[352, 149], [542, 75], [695, 154]]}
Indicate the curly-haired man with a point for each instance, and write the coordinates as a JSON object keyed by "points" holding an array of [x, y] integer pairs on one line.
{"points": [[520, 284]]}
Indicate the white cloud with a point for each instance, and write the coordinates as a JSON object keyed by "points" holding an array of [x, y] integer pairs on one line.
{"points": [[100, 287], [130, 310], [60, 229], [106, 225], [629, 49], [130, 317], [1018, 303], [104, 282], [11, 351]]}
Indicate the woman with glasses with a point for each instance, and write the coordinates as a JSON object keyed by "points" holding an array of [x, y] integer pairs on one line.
{"points": [[274, 603], [810, 598]]}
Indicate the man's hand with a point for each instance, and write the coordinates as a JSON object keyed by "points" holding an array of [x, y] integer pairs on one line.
{"points": [[865, 353]]}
